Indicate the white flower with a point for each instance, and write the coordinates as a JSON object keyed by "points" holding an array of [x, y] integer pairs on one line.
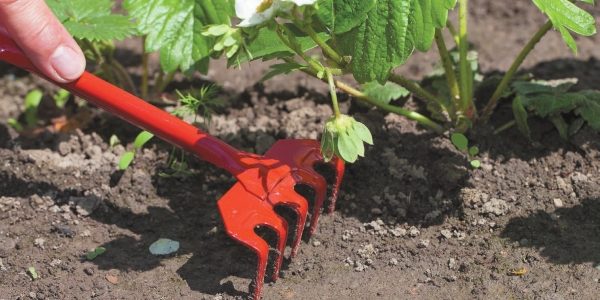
{"points": [[254, 12]]}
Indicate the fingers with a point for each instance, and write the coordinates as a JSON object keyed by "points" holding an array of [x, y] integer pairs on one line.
{"points": [[43, 39]]}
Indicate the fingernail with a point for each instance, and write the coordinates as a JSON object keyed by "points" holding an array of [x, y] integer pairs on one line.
{"points": [[67, 63]]}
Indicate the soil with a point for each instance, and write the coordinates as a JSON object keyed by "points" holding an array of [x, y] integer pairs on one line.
{"points": [[413, 220]]}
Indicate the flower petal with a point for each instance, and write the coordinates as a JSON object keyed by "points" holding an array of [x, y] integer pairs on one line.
{"points": [[244, 9]]}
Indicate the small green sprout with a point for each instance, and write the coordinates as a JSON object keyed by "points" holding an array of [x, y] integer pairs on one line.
{"points": [[95, 253], [141, 140], [461, 143], [344, 137], [33, 273]]}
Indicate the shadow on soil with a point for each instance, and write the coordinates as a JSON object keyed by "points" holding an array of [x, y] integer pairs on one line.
{"points": [[567, 236]]}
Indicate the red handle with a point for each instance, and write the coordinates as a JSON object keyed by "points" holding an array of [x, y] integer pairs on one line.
{"points": [[138, 112]]}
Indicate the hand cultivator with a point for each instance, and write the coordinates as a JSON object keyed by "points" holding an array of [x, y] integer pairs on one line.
{"points": [[264, 182]]}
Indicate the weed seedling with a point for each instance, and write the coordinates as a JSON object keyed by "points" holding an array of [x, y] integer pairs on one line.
{"points": [[461, 143]]}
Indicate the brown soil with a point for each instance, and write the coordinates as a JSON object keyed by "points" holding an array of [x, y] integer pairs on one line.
{"points": [[413, 221]]}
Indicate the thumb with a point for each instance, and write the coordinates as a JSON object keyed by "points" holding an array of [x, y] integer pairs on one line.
{"points": [[43, 39]]}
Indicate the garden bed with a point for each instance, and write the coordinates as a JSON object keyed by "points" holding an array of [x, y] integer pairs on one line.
{"points": [[413, 219]]}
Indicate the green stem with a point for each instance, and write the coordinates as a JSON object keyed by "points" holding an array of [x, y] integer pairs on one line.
{"points": [[165, 82], [416, 89], [328, 50], [332, 91], [489, 108], [505, 127], [448, 68], [465, 68], [419, 118], [145, 71], [123, 74], [452, 30]]}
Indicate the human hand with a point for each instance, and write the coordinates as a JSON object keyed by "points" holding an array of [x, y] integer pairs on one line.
{"points": [[31, 24]]}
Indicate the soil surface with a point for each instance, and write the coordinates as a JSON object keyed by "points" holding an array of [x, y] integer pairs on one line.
{"points": [[413, 220]]}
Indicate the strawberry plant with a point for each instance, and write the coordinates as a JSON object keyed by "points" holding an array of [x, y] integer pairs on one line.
{"points": [[367, 39]]}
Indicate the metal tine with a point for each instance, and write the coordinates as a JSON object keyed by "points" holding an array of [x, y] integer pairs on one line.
{"points": [[284, 194], [340, 167], [242, 213], [318, 183]]}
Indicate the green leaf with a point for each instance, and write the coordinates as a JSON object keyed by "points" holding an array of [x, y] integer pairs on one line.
{"points": [[12, 122], [92, 20], [113, 141], [267, 45], [426, 16], [327, 146], [33, 273], [546, 100], [104, 28], [340, 16], [566, 16], [520, 114], [473, 150], [174, 27], [384, 93], [283, 68], [561, 125], [476, 164], [358, 143], [126, 160], [95, 253], [381, 43], [460, 141], [589, 109], [346, 149], [142, 138], [363, 132], [32, 102], [61, 97]]}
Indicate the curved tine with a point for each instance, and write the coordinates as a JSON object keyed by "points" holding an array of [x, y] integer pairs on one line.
{"points": [[242, 213], [319, 184], [284, 194], [340, 167]]}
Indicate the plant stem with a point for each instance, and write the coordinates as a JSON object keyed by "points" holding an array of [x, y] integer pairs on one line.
{"points": [[489, 108], [328, 50], [465, 68], [505, 127], [165, 82], [416, 89], [448, 67], [421, 119], [122, 72], [332, 91], [452, 30], [145, 71]]}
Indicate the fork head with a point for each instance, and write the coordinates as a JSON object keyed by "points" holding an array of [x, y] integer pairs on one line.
{"points": [[269, 182]]}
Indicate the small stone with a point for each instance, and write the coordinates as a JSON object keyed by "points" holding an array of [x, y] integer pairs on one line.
{"points": [[39, 242], [55, 263], [359, 267], [452, 264], [398, 232], [446, 234], [369, 262], [374, 225], [558, 203], [316, 243], [413, 231], [423, 244], [86, 233], [393, 262], [7, 245], [112, 278], [54, 209], [88, 271], [63, 230]]}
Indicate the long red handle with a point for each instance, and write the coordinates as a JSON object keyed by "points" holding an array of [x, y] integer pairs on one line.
{"points": [[138, 112]]}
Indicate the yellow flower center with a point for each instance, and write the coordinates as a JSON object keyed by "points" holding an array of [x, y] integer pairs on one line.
{"points": [[264, 5]]}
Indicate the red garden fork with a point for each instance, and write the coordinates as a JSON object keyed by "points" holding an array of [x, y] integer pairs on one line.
{"points": [[263, 182]]}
